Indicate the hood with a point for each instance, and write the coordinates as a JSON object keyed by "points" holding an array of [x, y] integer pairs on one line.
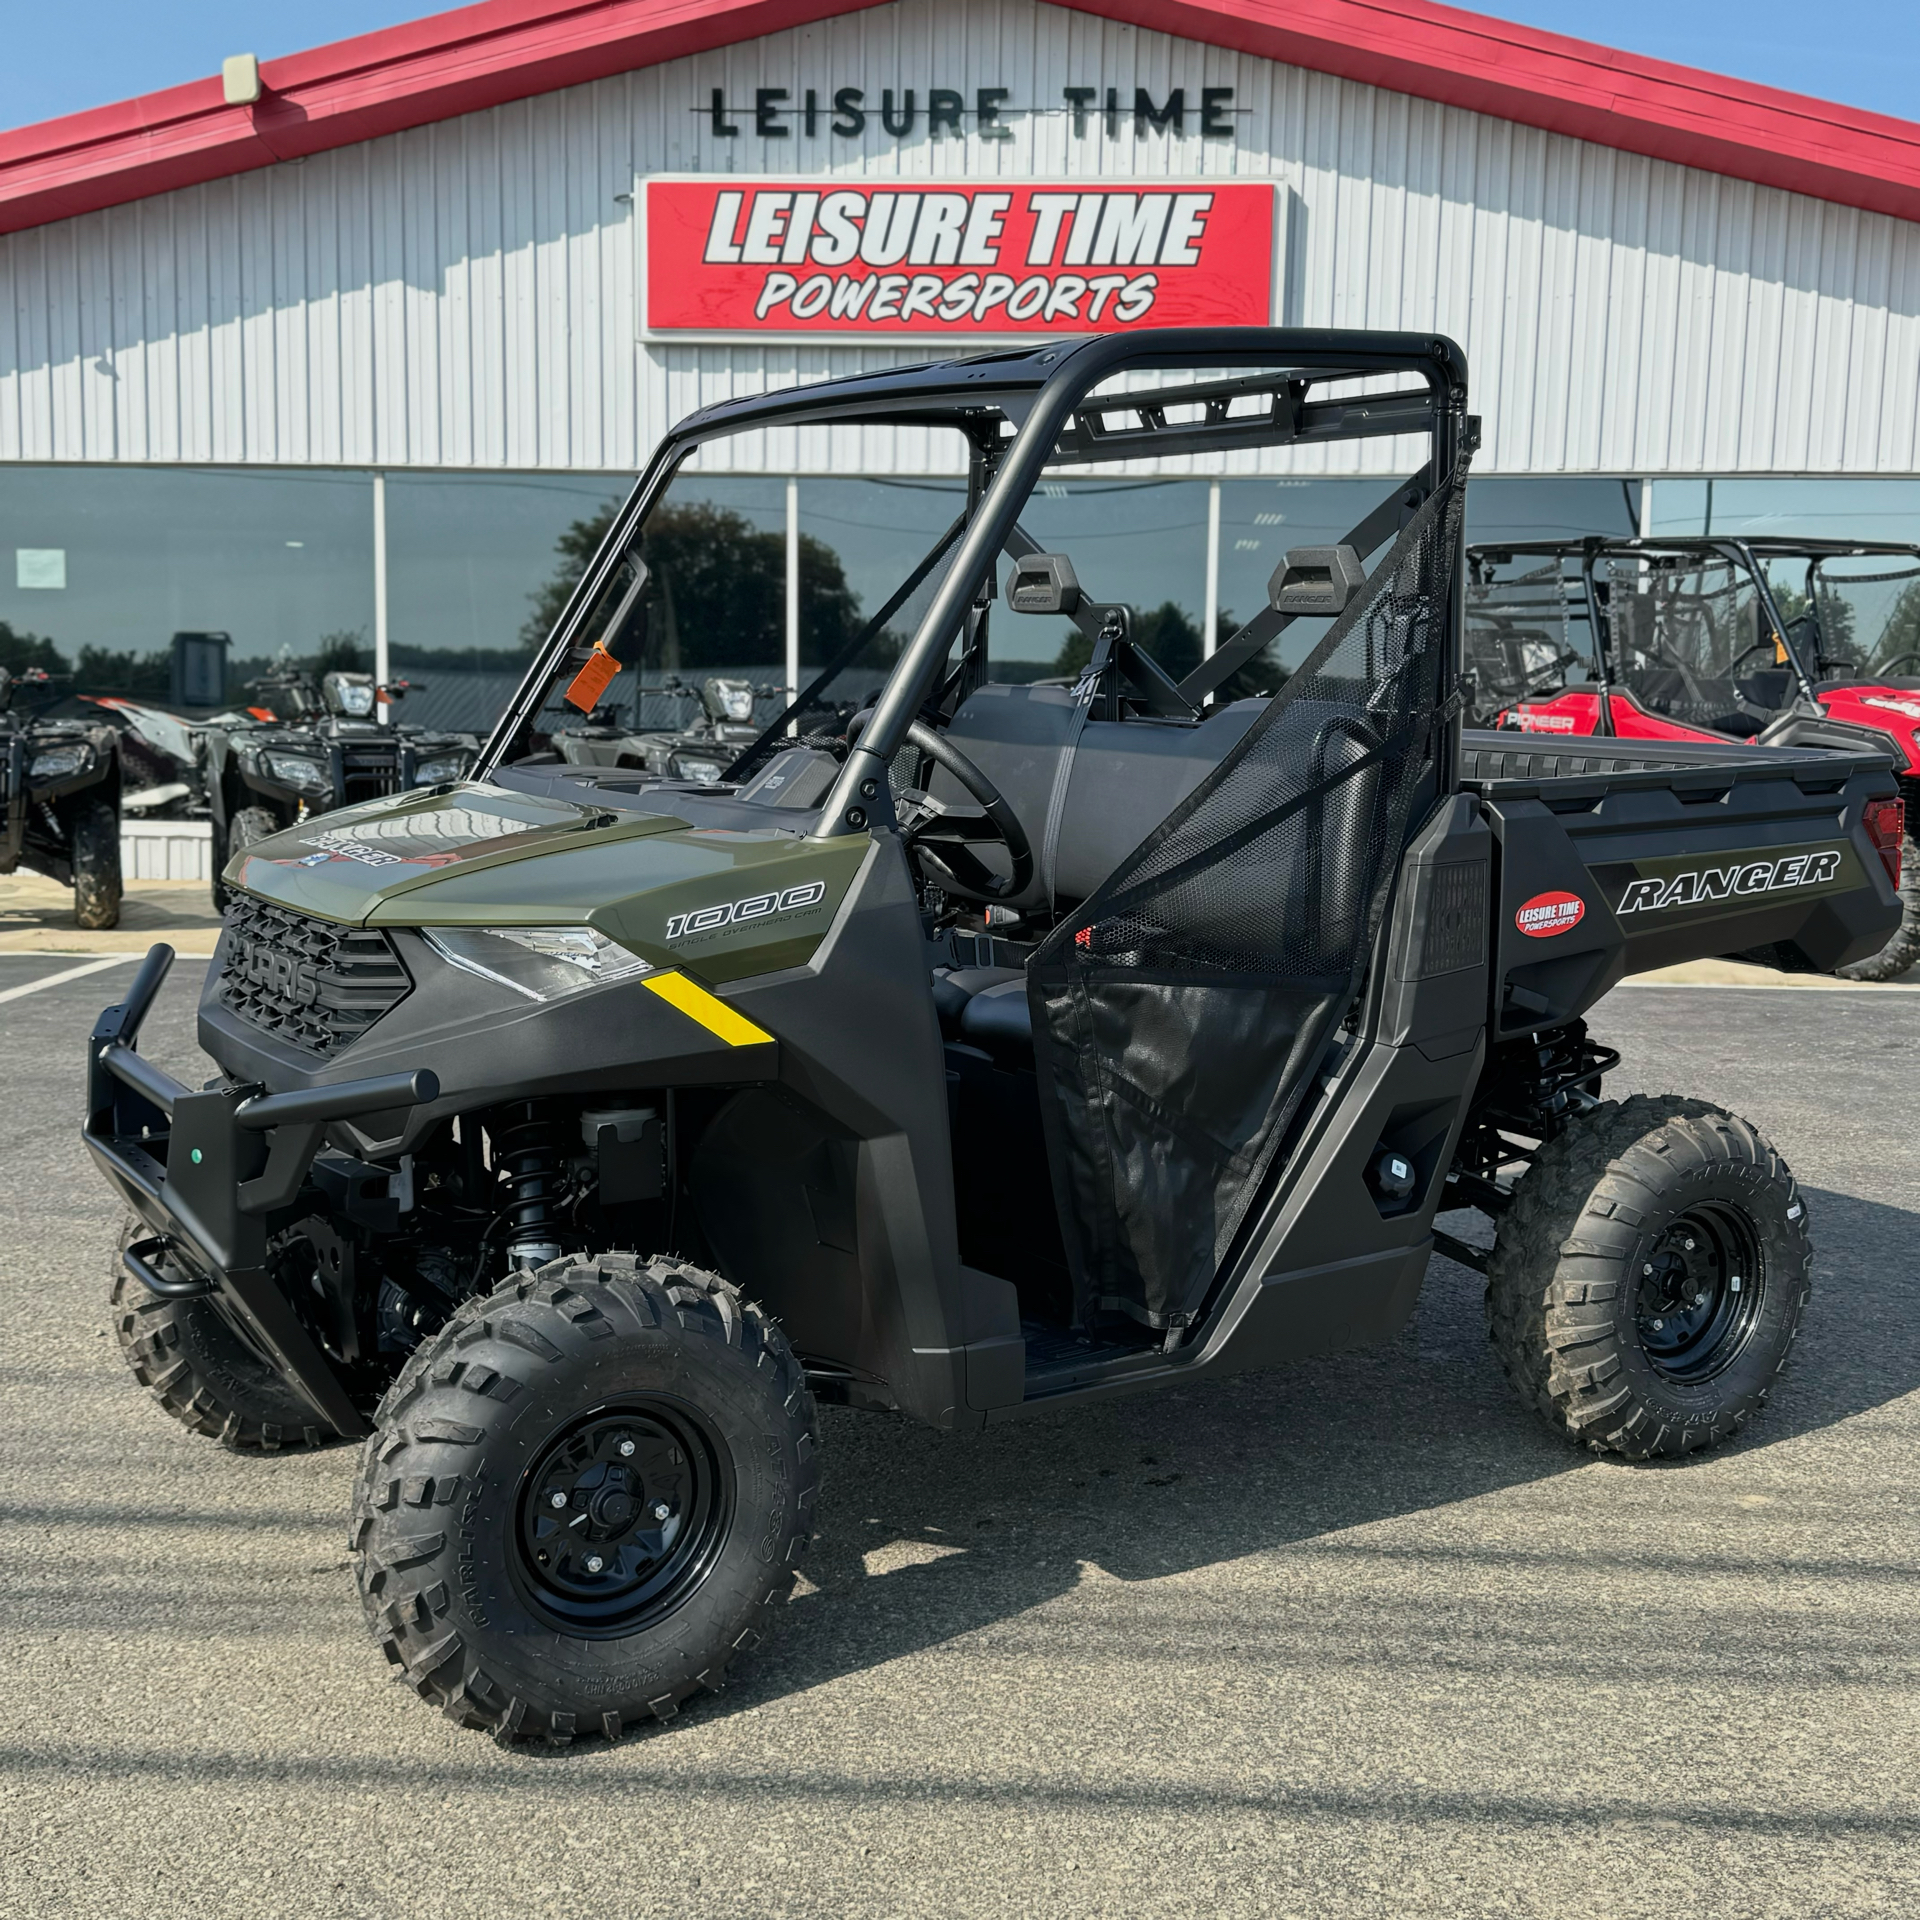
{"points": [[725, 902], [1888, 708], [343, 866]]}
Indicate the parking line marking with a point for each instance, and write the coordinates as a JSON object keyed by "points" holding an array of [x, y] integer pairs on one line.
{"points": [[72, 973]]}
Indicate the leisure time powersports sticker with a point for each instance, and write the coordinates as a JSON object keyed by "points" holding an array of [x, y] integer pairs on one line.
{"points": [[1549, 913]]}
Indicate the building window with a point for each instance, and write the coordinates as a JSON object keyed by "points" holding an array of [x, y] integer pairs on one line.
{"points": [[109, 562]]}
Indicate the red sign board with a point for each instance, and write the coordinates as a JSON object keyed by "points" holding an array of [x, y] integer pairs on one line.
{"points": [[874, 257]]}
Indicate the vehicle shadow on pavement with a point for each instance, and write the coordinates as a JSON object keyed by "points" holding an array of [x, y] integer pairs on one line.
{"points": [[1859, 1345], [926, 1537]]}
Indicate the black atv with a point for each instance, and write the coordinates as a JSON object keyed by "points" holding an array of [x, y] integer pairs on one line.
{"points": [[310, 747], [581, 1128], [701, 750], [60, 810]]}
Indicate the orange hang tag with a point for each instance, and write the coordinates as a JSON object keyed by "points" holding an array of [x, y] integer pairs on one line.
{"points": [[593, 679]]}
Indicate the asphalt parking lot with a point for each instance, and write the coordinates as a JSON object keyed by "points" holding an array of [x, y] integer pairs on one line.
{"points": [[1355, 1637]]}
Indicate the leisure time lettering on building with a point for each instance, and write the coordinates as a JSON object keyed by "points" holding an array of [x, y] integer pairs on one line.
{"points": [[777, 256], [848, 112]]}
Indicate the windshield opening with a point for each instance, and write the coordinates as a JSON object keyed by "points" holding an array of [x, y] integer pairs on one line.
{"points": [[1691, 638], [744, 611], [744, 599], [1527, 631], [1861, 612]]}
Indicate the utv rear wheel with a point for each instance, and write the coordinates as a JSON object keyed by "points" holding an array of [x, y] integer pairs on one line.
{"points": [[96, 863], [1903, 950], [584, 1496], [196, 1366], [1647, 1283]]}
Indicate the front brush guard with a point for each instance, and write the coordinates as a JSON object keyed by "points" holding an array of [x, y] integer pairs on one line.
{"points": [[204, 1170]]}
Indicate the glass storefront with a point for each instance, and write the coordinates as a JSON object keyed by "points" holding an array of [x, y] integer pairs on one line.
{"points": [[99, 566], [105, 564], [1812, 509]]}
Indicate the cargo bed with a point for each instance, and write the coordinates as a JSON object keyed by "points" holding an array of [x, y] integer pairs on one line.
{"points": [[1618, 856]]}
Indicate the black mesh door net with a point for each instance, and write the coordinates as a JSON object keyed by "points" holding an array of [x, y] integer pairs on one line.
{"points": [[1178, 1012]]}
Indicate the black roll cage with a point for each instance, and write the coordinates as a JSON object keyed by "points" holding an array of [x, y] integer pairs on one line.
{"points": [[1042, 394]]}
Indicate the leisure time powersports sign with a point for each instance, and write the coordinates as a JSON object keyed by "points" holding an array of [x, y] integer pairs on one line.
{"points": [[877, 258]]}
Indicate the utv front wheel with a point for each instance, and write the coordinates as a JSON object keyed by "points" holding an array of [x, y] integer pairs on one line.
{"points": [[96, 864], [584, 1496], [1648, 1280], [194, 1364]]}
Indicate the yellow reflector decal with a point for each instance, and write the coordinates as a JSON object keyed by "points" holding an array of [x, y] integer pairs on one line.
{"points": [[714, 1014]]}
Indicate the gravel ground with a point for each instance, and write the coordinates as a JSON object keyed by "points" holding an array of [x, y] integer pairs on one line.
{"points": [[1354, 1637]]}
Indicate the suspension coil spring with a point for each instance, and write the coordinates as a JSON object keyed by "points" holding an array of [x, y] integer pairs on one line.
{"points": [[529, 1159]]}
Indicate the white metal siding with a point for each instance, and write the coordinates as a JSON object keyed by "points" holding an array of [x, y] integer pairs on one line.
{"points": [[466, 295]]}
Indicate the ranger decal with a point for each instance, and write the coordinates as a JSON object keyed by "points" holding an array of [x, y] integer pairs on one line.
{"points": [[1720, 883]]}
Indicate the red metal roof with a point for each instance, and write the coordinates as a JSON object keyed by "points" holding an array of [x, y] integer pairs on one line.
{"points": [[501, 50]]}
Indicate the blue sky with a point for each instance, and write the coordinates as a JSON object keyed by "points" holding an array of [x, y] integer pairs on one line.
{"points": [[1866, 52]]}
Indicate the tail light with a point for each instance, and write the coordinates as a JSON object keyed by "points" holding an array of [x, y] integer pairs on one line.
{"points": [[1886, 823]]}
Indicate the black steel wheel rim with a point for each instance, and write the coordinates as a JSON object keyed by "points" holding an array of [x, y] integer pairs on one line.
{"points": [[622, 1515], [1701, 1285]]}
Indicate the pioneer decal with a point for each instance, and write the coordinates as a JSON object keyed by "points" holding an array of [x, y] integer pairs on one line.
{"points": [[1695, 886], [758, 906], [1549, 913]]}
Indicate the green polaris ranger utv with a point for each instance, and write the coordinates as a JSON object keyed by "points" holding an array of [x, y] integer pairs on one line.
{"points": [[964, 1055]]}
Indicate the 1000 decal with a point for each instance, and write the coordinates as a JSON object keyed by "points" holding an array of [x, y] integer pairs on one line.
{"points": [[758, 906]]}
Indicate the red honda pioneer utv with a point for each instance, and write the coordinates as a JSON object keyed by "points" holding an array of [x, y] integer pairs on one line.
{"points": [[1787, 643], [975, 1054]]}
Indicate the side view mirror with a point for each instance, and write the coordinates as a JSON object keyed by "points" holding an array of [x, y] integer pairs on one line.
{"points": [[1043, 583], [1314, 580]]}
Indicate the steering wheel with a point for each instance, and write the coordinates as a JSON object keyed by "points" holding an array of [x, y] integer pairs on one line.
{"points": [[940, 840]]}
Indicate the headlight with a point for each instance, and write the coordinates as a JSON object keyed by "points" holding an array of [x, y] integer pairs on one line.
{"points": [[349, 694], [430, 773], [729, 699], [683, 766], [293, 770], [541, 962], [55, 763]]}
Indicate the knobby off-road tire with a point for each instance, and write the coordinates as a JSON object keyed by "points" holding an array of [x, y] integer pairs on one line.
{"points": [[1611, 1296], [247, 828], [195, 1365], [96, 863], [584, 1496], [1903, 950]]}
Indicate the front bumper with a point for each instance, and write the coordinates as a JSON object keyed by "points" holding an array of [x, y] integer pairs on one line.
{"points": [[206, 1171]]}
